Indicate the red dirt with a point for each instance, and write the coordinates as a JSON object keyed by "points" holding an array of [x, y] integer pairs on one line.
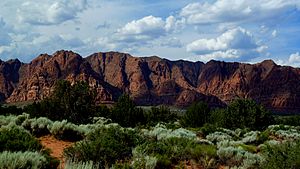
{"points": [[56, 146]]}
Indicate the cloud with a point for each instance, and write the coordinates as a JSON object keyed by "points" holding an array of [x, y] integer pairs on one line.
{"points": [[274, 33], [173, 24], [47, 44], [237, 38], [104, 25], [146, 28], [171, 42], [51, 12], [234, 43], [293, 60], [222, 11], [5, 38]]}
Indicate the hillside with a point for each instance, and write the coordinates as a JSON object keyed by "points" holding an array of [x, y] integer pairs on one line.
{"points": [[152, 80]]}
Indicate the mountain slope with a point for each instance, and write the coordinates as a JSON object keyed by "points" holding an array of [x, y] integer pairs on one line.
{"points": [[152, 80]]}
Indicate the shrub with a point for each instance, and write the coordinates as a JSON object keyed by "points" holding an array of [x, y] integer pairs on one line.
{"points": [[161, 132], [14, 138], [121, 166], [196, 115], [237, 157], [105, 145], [80, 165], [293, 120], [171, 151], [38, 126], [208, 129], [218, 136], [12, 119], [10, 110], [160, 114], [144, 161], [126, 113], [205, 155], [22, 160], [242, 114], [251, 137], [284, 155], [75, 103], [64, 130]]}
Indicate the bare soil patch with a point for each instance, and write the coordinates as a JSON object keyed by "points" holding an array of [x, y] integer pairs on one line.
{"points": [[56, 146]]}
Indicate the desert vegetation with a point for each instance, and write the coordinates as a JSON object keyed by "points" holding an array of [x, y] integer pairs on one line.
{"points": [[242, 135]]}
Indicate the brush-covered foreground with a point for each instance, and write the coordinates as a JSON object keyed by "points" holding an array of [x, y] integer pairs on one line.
{"points": [[103, 144], [240, 135]]}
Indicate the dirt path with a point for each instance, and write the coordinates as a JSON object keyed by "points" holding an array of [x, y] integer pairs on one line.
{"points": [[56, 146]]}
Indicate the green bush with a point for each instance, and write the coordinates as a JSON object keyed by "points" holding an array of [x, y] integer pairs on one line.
{"points": [[64, 130], [22, 160], [10, 110], [205, 155], [284, 155], [75, 103], [293, 120], [196, 115], [38, 126], [242, 114], [126, 113], [239, 158], [207, 129], [105, 145], [14, 138], [122, 166], [80, 165], [160, 114], [169, 152]]}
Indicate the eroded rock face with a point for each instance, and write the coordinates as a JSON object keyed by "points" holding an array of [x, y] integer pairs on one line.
{"points": [[39, 76], [152, 80]]}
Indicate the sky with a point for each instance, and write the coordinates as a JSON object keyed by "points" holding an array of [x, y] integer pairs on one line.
{"points": [[195, 30]]}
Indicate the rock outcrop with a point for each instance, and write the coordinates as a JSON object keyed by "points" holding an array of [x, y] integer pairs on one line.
{"points": [[153, 81]]}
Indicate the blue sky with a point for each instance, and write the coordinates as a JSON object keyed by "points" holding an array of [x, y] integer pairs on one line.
{"points": [[229, 30]]}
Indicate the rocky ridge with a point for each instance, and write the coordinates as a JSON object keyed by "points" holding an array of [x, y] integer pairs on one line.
{"points": [[153, 81]]}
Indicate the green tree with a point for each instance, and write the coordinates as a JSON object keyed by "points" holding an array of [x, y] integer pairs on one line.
{"points": [[196, 115], [160, 114], [76, 103], [126, 113], [243, 113]]}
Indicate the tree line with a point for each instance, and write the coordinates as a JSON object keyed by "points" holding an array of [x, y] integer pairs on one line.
{"points": [[76, 103]]}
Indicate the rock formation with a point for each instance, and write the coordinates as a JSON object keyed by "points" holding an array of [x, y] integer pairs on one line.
{"points": [[153, 81]]}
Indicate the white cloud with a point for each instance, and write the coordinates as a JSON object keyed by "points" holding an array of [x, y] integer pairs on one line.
{"points": [[237, 38], [222, 11], [50, 12], [228, 54], [274, 33], [48, 44], [293, 60], [148, 28], [174, 25], [236, 43], [171, 42], [5, 38], [148, 25]]}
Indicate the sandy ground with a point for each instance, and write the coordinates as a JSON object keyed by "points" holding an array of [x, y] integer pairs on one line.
{"points": [[56, 146]]}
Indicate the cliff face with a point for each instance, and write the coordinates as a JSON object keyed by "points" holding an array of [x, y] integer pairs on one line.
{"points": [[152, 80]]}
